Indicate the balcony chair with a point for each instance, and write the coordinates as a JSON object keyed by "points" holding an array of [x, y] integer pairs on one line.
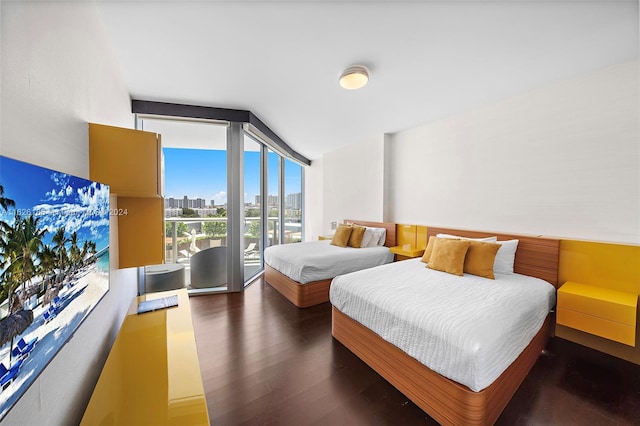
{"points": [[209, 268]]}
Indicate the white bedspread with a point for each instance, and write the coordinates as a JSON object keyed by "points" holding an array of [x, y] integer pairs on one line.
{"points": [[468, 329], [319, 260]]}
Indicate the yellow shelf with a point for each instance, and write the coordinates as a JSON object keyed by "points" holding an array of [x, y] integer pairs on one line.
{"points": [[408, 252], [599, 311], [152, 375]]}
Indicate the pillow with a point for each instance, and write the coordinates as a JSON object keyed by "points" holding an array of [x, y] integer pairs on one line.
{"points": [[480, 257], [355, 240], [448, 255], [505, 257], [373, 237], [429, 249], [487, 239], [341, 236]]}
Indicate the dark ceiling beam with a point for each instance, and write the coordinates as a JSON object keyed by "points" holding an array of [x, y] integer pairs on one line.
{"points": [[139, 106]]}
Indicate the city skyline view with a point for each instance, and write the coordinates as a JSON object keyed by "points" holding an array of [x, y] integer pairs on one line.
{"points": [[200, 173]]}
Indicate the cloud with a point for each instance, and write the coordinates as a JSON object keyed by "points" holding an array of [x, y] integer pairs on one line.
{"points": [[220, 198]]}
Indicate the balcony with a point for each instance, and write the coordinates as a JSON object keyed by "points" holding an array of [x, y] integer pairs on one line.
{"points": [[204, 232]]}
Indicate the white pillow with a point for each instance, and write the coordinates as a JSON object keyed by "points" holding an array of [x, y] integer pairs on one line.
{"points": [[506, 256], [487, 239], [373, 237]]}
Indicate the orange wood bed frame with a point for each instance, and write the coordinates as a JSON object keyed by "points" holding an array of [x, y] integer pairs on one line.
{"points": [[449, 402], [316, 292]]}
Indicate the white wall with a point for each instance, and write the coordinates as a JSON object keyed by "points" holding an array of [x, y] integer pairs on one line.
{"points": [[353, 179], [58, 73], [313, 223], [562, 160]]}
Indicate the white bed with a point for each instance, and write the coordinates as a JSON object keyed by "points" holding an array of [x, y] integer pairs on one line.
{"points": [[319, 260], [468, 329], [302, 272], [453, 344]]}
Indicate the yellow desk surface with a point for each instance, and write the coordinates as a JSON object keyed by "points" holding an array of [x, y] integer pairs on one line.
{"points": [[152, 375]]}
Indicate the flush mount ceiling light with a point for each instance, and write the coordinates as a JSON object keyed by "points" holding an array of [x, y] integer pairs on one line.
{"points": [[354, 77]]}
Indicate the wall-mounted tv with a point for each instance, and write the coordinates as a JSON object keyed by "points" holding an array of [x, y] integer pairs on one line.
{"points": [[54, 266]]}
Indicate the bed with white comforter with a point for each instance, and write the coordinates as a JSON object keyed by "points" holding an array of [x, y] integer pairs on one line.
{"points": [[466, 328], [319, 260]]}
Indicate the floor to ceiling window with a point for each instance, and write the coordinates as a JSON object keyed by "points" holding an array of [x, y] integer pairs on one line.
{"points": [[227, 190], [252, 207], [292, 202], [195, 191], [273, 198]]}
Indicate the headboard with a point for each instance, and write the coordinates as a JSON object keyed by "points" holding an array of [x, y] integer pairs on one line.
{"points": [[390, 240], [536, 256]]}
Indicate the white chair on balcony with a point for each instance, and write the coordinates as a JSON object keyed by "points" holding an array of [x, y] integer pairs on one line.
{"points": [[250, 248]]}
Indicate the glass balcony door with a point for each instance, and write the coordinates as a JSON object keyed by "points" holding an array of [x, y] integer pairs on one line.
{"points": [[195, 192], [253, 211]]}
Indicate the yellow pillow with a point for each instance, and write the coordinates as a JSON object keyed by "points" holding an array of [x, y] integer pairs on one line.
{"points": [[355, 240], [429, 249], [448, 255], [341, 236], [479, 259]]}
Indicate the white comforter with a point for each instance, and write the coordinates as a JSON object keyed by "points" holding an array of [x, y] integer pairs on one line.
{"points": [[319, 260], [469, 329]]}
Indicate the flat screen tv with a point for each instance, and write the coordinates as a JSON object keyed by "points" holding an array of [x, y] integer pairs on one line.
{"points": [[54, 266]]}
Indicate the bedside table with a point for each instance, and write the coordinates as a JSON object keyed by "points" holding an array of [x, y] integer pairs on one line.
{"points": [[406, 252], [597, 310]]}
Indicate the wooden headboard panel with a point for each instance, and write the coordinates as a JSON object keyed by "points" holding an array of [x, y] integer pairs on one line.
{"points": [[536, 256], [390, 227]]}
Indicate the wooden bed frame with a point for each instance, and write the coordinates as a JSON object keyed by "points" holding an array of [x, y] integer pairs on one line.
{"points": [[316, 292], [449, 402]]}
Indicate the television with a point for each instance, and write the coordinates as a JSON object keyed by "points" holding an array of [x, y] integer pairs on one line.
{"points": [[54, 266]]}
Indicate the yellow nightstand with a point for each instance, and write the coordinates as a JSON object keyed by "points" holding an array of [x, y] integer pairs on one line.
{"points": [[406, 252], [597, 310]]}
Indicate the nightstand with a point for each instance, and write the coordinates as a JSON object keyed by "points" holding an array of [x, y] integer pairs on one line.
{"points": [[406, 252], [597, 310]]}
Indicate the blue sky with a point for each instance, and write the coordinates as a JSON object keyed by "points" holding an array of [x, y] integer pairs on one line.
{"points": [[199, 173], [57, 199]]}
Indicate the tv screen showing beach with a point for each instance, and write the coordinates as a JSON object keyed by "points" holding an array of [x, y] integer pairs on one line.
{"points": [[54, 266]]}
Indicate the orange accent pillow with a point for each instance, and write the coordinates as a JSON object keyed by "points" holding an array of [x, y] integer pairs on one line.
{"points": [[429, 249], [479, 259], [355, 239], [341, 236], [448, 255]]}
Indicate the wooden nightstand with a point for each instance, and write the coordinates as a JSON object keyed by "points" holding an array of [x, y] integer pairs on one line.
{"points": [[406, 252], [597, 310]]}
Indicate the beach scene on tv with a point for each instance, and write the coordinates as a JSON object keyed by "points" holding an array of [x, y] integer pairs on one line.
{"points": [[54, 266]]}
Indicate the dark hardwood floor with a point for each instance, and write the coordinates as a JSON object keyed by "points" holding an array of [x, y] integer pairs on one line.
{"points": [[266, 362]]}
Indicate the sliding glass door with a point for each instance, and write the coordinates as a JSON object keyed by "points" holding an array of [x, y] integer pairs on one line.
{"points": [[253, 212], [195, 191]]}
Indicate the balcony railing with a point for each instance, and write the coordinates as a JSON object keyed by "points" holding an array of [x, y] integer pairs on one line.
{"points": [[179, 248]]}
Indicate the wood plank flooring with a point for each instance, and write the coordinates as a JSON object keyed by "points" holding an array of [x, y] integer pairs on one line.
{"points": [[266, 362]]}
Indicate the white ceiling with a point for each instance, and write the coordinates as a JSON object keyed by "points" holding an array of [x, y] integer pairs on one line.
{"points": [[427, 59]]}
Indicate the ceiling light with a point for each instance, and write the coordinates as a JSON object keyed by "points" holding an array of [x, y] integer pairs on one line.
{"points": [[354, 77]]}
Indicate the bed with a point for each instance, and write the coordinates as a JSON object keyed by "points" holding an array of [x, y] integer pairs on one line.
{"points": [[307, 286], [480, 387]]}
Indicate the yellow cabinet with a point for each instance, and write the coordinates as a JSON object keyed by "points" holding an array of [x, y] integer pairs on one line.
{"points": [[599, 311], [130, 162]]}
